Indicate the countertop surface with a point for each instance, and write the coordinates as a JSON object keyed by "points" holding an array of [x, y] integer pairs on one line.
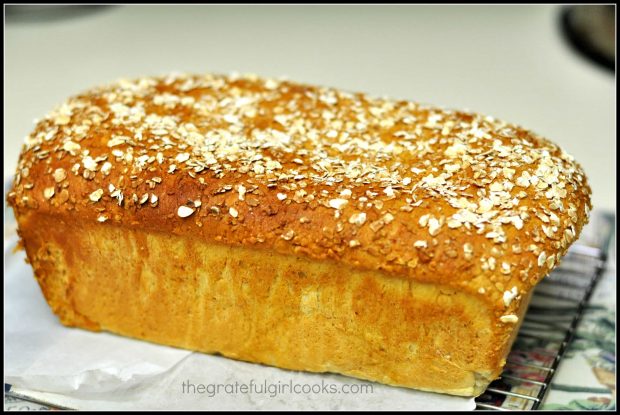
{"points": [[507, 61]]}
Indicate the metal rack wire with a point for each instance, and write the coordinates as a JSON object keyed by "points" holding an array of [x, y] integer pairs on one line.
{"points": [[549, 326]]}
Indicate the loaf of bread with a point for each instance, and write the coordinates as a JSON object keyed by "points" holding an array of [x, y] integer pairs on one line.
{"points": [[296, 226]]}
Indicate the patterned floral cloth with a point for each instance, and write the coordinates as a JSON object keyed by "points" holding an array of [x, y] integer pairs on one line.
{"points": [[586, 377]]}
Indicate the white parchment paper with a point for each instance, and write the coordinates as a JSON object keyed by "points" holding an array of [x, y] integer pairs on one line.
{"points": [[78, 369]]}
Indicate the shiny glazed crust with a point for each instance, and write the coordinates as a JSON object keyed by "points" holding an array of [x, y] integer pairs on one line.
{"points": [[381, 239]]}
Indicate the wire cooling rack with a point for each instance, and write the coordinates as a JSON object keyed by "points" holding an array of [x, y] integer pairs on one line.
{"points": [[550, 322]]}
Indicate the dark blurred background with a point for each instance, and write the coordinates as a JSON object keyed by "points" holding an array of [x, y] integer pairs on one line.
{"points": [[591, 30]]}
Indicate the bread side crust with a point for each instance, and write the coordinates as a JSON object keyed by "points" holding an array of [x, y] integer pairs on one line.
{"points": [[280, 310]]}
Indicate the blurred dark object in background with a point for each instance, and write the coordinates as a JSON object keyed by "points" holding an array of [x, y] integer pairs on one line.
{"points": [[592, 31], [43, 13]]}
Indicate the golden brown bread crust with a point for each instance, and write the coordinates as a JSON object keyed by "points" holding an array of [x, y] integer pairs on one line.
{"points": [[456, 200]]}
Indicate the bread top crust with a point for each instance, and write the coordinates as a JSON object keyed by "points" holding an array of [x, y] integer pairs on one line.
{"points": [[419, 192]]}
